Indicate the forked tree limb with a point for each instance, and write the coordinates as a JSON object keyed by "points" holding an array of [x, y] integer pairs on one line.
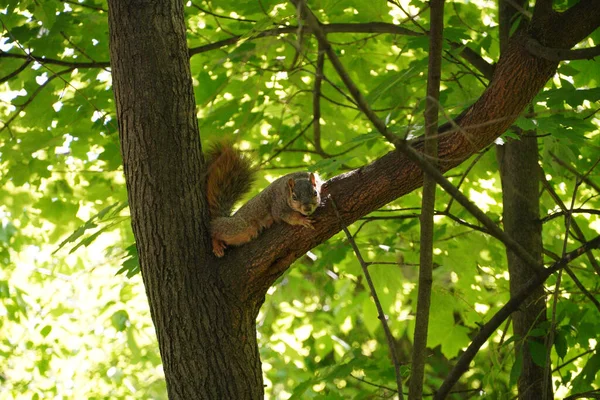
{"points": [[518, 77]]}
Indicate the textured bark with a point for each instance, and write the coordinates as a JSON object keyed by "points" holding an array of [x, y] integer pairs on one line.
{"points": [[519, 171], [206, 335]]}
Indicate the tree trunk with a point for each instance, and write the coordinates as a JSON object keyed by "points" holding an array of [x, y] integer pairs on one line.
{"points": [[519, 172], [206, 335]]}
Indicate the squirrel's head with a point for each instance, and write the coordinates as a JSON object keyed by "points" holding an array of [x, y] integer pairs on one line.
{"points": [[304, 194]]}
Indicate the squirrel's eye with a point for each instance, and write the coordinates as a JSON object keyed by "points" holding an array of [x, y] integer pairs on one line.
{"points": [[294, 197], [314, 192]]}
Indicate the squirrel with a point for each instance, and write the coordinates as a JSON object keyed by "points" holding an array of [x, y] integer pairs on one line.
{"points": [[291, 198]]}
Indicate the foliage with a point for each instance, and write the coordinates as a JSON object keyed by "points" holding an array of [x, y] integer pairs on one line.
{"points": [[76, 328]]}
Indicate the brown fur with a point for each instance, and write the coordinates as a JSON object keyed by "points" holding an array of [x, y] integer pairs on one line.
{"points": [[229, 177], [290, 199]]}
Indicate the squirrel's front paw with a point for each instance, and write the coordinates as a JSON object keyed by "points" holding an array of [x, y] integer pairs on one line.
{"points": [[307, 222], [218, 248]]}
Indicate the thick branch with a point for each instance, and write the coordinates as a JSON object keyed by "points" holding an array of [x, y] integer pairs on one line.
{"points": [[519, 76]]}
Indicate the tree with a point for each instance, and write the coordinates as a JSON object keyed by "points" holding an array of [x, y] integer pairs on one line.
{"points": [[205, 309]]}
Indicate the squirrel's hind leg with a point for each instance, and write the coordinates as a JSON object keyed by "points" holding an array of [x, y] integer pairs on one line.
{"points": [[232, 231]]}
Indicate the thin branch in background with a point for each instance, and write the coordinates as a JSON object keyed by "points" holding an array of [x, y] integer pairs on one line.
{"points": [[380, 313], [465, 174], [589, 211], [404, 147], [374, 384], [551, 333], [576, 229], [277, 152], [80, 50], [434, 73], [527, 14], [76, 3], [15, 72], [37, 91], [317, 100], [409, 16], [592, 394], [578, 174], [44, 60], [570, 360], [219, 15], [538, 50], [487, 330], [576, 280]]}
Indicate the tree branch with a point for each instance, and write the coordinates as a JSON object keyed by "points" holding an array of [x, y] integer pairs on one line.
{"points": [[419, 351], [16, 71], [380, 313], [518, 77], [45, 60], [535, 48], [37, 91], [317, 101]]}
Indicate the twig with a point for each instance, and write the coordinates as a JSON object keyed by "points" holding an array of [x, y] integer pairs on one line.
{"points": [[557, 214], [219, 15], [572, 170], [592, 394], [380, 312], [15, 72], [570, 360], [62, 63], [374, 384], [551, 333], [288, 143], [576, 229], [83, 5], [464, 175], [317, 100], [33, 96], [535, 48]]}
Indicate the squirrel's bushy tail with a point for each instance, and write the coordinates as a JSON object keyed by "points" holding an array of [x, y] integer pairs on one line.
{"points": [[229, 178]]}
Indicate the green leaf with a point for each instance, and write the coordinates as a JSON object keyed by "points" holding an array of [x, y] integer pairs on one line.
{"points": [[516, 369], [46, 330], [560, 343], [538, 352], [120, 320]]}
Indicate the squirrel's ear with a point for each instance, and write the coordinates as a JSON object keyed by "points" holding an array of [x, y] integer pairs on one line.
{"points": [[291, 184], [313, 180]]}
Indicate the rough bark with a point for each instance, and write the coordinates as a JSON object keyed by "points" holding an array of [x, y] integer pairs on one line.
{"points": [[207, 337], [519, 171]]}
